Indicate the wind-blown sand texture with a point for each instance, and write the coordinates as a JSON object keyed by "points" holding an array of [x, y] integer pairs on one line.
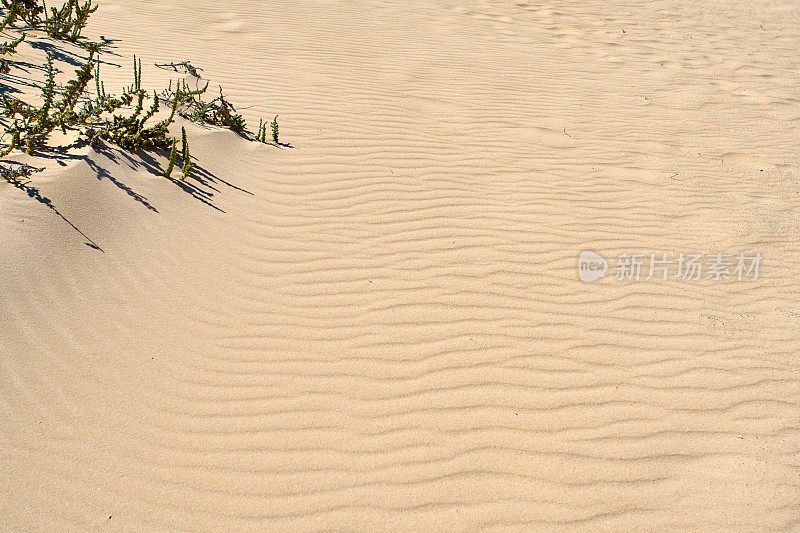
{"points": [[382, 328]]}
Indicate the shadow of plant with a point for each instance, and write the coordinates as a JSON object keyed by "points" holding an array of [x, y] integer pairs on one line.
{"points": [[201, 184], [17, 176]]}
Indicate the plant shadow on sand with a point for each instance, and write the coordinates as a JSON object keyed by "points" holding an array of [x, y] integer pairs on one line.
{"points": [[60, 53], [21, 183], [201, 184], [11, 83]]}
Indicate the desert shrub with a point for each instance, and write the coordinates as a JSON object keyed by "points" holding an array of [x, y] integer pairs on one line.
{"points": [[27, 10], [32, 125], [100, 118], [65, 23], [218, 112], [261, 132], [68, 22], [14, 143], [10, 17], [129, 132], [8, 47], [221, 113], [104, 117]]}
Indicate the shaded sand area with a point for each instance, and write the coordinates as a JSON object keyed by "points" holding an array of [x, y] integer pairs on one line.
{"points": [[383, 327]]}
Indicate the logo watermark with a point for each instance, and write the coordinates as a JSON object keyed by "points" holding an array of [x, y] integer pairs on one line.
{"points": [[591, 266], [664, 266]]}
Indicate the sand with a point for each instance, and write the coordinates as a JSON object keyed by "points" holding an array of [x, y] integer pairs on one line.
{"points": [[382, 327]]}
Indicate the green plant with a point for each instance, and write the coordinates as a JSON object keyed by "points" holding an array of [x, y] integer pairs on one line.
{"points": [[104, 116], [97, 119], [186, 158], [27, 10], [68, 22], [9, 47], [65, 23], [262, 131], [34, 124], [184, 144], [274, 126], [137, 75], [129, 132], [183, 94], [186, 101], [10, 148], [67, 116], [10, 16], [172, 156], [218, 112], [226, 116]]}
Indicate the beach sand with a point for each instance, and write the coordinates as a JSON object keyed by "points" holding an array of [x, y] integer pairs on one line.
{"points": [[382, 326]]}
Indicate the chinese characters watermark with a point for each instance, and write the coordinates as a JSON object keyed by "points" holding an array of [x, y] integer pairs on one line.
{"points": [[664, 266]]}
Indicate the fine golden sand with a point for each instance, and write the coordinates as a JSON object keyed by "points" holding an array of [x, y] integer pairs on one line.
{"points": [[382, 327]]}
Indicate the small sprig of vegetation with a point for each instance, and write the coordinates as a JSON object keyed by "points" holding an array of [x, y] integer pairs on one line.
{"points": [[274, 126], [222, 113], [261, 133], [186, 100], [173, 154], [10, 47], [137, 75], [186, 158], [9, 18], [14, 143], [183, 66], [13, 174]]}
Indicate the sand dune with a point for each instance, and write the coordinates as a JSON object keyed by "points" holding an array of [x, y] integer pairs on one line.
{"points": [[382, 327]]}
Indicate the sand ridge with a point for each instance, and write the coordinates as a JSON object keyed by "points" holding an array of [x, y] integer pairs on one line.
{"points": [[383, 327]]}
